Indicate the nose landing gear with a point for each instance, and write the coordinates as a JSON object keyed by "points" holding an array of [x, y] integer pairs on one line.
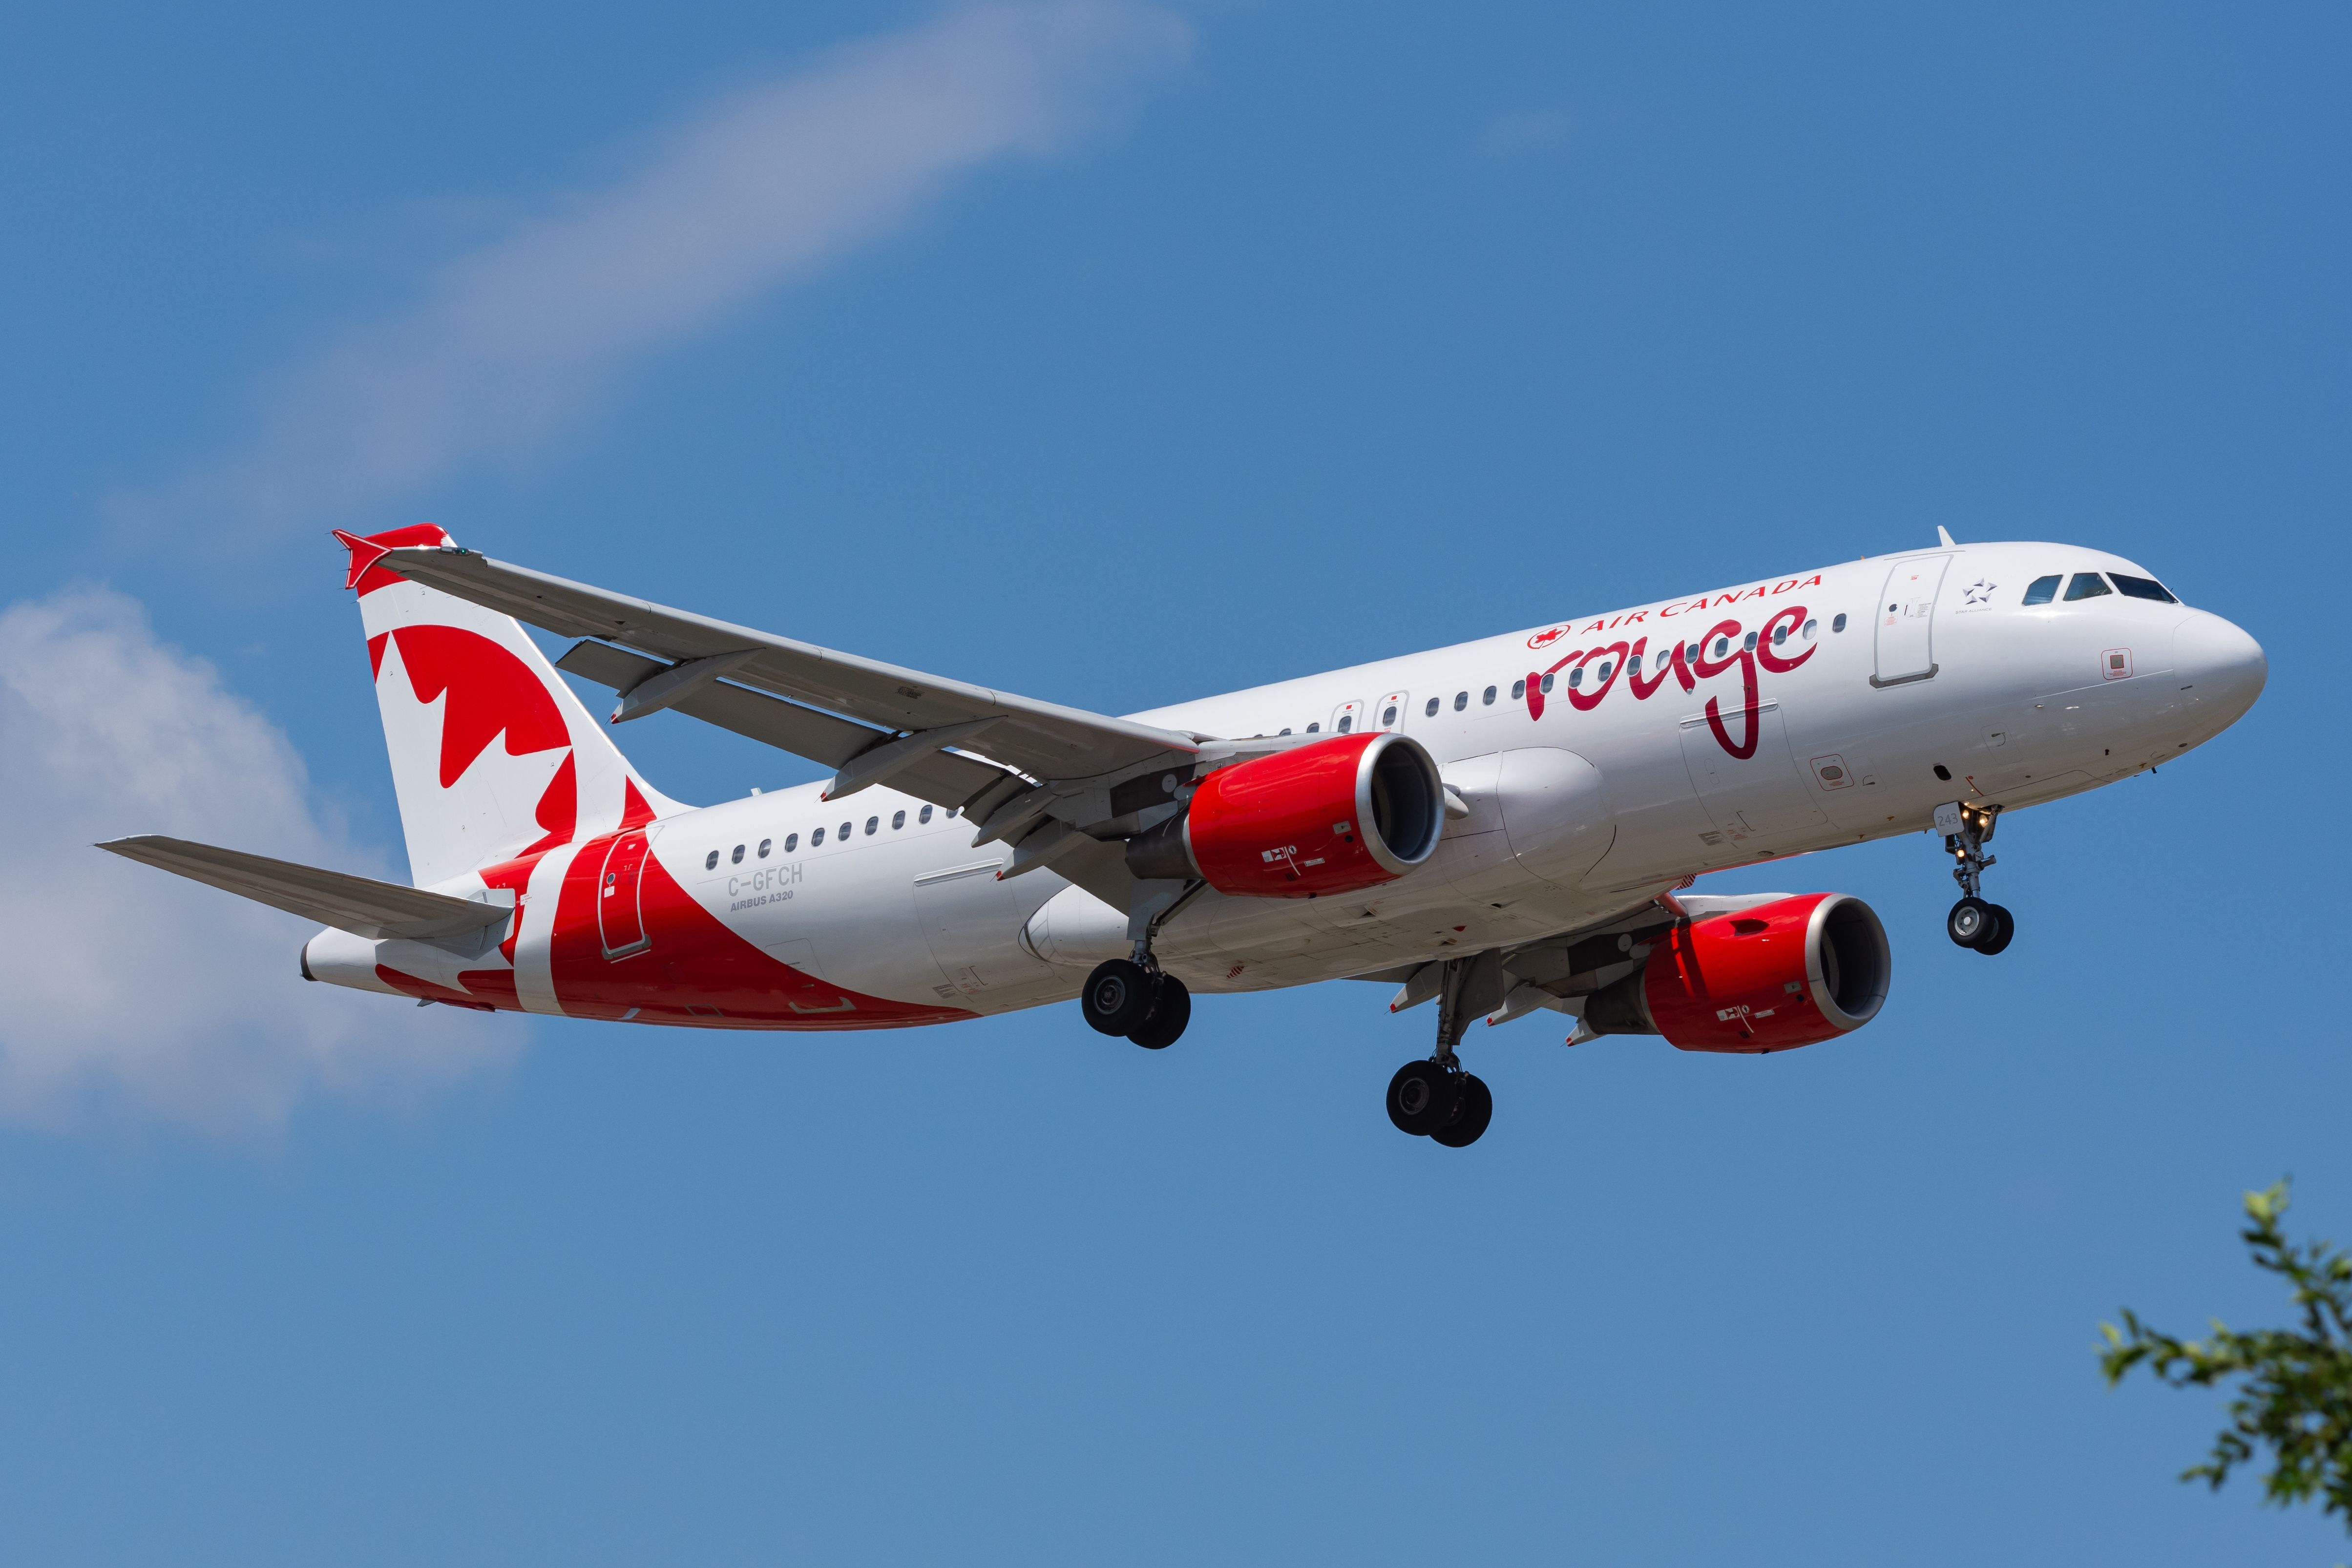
{"points": [[1973, 922], [1435, 1099]]}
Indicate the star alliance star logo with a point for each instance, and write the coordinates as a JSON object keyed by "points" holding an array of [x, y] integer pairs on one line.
{"points": [[1979, 591]]}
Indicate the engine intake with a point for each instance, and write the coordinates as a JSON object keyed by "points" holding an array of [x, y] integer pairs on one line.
{"points": [[1772, 978], [1341, 814]]}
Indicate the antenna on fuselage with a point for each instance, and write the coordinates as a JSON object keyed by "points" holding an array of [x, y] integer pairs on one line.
{"points": [[1944, 536]]}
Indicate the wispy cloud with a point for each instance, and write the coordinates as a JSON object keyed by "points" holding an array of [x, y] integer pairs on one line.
{"points": [[511, 343], [129, 990]]}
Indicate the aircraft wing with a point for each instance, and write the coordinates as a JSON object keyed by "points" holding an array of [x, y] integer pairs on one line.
{"points": [[869, 719], [359, 905]]}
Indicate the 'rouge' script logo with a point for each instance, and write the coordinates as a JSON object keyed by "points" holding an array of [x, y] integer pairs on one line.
{"points": [[1724, 647]]}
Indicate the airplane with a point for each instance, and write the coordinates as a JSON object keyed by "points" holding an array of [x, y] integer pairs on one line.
{"points": [[1504, 827]]}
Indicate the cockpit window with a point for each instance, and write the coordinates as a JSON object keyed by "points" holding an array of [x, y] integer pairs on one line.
{"points": [[2141, 588], [2086, 585], [2043, 589]]}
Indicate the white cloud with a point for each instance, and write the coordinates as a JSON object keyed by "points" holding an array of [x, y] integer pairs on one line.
{"points": [[130, 989], [512, 342]]}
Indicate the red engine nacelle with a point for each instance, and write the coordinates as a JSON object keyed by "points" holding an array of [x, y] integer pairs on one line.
{"points": [[1772, 978], [1335, 816]]}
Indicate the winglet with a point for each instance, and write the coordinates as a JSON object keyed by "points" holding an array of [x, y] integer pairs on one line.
{"points": [[1944, 536], [368, 550], [365, 553]]}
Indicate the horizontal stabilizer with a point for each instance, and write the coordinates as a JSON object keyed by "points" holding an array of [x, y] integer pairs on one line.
{"points": [[359, 905]]}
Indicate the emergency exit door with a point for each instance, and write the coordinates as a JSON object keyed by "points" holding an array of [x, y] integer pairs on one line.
{"points": [[1906, 620]]}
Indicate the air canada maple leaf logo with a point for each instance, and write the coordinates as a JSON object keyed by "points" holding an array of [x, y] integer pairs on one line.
{"points": [[490, 696], [1546, 639]]}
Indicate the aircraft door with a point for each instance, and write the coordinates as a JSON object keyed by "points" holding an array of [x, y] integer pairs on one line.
{"points": [[1389, 711], [1905, 617], [620, 913], [1347, 717]]}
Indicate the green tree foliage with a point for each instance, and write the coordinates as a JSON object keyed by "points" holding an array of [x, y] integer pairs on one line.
{"points": [[2297, 1399]]}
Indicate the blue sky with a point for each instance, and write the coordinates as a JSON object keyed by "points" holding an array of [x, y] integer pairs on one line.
{"points": [[1251, 339]]}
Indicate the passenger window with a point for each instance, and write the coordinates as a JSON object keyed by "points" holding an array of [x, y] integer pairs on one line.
{"points": [[1546, 683], [1722, 646], [1285, 730], [1518, 690], [1461, 701], [1314, 728], [2086, 585], [792, 842], [1347, 723], [1429, 710], [1811, 627], [2141, 588], [1575, 677], [712, 861], [1779, 635], [1751, 644], [1490, 698], [897, 820], [924, 815], [1388, 716], [737, 858], [816, 838], [1606, 665], [1838, 624], [2043, 589], [765, 845], [844, 834]]}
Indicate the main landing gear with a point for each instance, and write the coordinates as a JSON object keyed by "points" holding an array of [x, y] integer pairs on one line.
{"points": [[1436, 1099], [1133, 996], [1150, 1007], [1973, 922]]}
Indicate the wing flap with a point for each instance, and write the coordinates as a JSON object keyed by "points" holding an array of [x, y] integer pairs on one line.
{"points": [[359, 905], [1043, 739], [942, 778]]}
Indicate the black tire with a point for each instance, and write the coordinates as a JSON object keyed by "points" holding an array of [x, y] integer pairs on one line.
{"points": [[2004, 926], [1171, 1010], [1470, 1121], [1970, 921], [1117, 996], [1424, 1097]]}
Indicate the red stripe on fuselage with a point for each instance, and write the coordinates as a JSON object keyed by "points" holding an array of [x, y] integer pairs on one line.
{"points": [[697, 971]]}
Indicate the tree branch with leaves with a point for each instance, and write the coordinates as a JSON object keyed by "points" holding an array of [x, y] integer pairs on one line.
{"points": [[2297, 1398]]}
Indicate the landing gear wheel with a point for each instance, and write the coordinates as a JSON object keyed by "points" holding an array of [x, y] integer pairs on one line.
{"points": [[1970, 924], [1117, 996], [1424, 1097], [1478, 1109], [2003, 927], [1171, 1010]]}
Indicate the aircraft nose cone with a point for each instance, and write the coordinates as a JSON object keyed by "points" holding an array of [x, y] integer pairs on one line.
{"points": [[2222, 668]]}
